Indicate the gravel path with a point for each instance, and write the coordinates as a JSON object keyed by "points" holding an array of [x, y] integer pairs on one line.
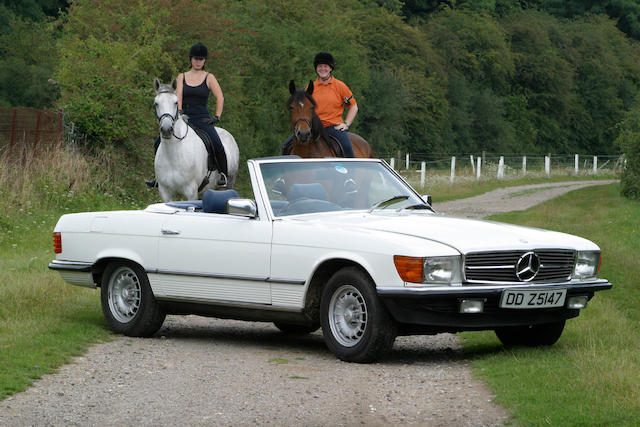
{"points": [[200, 371]]}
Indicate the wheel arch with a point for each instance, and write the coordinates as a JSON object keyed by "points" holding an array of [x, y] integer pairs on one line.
{"points": [[98, 268], [320, 277]]}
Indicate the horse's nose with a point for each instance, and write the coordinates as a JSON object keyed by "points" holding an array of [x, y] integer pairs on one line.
{"points": [[166, 126], [303, 134]]}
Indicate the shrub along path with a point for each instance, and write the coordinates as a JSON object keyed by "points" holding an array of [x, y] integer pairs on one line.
{"points": [[199, 371]]}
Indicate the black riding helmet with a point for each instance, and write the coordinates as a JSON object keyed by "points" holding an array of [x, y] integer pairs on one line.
{"points": [[323, 58], [198, 50]]}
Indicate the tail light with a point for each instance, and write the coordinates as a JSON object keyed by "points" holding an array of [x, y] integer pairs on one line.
{"points": [[57, 243]]}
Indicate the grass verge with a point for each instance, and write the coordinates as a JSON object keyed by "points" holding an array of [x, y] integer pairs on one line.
{"points": [[592, 375]]}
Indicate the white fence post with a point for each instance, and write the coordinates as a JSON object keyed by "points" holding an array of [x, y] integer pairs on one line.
{"points": [[423, 173], [407, 162], [524, 165], [575, 164], [479, 160], [393, 163], [473, 166], [595, 165], [547, 165], [453, 169], [501, 168]]}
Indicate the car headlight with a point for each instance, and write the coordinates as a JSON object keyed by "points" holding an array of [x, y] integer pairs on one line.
{"points": [[587, 265], [429, 270]]}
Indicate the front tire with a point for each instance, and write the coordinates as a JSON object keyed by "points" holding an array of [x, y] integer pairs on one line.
{"points": [[128, 303], [531, 336], [356, 325]]}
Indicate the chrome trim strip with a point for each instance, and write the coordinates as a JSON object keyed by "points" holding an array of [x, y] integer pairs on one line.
{"points": [[230, 304], [70, 265], [595, 285], [228, 277]]}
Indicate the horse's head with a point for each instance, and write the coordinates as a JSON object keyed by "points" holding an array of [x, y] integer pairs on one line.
{"points": [[301, 105], [166, 104]]}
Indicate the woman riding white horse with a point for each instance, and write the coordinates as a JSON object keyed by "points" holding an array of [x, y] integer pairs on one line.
{"points": [[181, 162]]}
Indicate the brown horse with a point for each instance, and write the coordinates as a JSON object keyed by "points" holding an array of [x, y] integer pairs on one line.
{"points": [[309, 137]]}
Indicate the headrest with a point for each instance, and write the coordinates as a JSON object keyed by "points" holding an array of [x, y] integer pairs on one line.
{"points": [[310, 191], [216, 201]]}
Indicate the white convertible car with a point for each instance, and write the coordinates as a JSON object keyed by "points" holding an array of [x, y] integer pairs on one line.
{"points": [[342, 244]]}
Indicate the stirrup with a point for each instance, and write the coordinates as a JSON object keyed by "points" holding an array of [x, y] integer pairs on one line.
{"points": [[152, 184], [222, 180]]}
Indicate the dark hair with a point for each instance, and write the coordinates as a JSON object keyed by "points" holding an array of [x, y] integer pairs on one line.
{"points": [[323, 58]]}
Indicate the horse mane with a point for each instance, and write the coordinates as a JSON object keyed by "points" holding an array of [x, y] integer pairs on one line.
{"points": [[317, 130]]}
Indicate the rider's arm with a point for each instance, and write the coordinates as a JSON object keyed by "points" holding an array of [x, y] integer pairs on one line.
{"points": [[179, 89], [213, 85], [351, 114]]}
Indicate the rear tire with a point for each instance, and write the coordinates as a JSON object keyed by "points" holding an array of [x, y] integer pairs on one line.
{"points": [[356, 325], [128, 303], [531, 336]]}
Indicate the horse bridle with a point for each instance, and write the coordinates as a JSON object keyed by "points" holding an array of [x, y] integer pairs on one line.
{"points": [[173, 118]]}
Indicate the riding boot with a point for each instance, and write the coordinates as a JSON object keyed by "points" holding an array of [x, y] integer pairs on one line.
{"points": [[153, 183]]}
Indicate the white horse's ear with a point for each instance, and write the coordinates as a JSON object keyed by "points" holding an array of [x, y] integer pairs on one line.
{"points": [[310, 88], [174, 84], [292, 87], [156, 83]]}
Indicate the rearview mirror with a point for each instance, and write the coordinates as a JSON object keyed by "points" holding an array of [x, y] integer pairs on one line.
{"points": [[426, 198]]}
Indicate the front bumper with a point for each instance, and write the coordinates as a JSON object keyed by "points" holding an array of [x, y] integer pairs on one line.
{"points": [[436, 309]]}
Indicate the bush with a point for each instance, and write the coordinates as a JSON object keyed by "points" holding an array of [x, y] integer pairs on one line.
{"points": [[629, 143]]}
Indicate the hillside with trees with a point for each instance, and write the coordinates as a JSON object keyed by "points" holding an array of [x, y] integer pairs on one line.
{"points": [[432, 77]]}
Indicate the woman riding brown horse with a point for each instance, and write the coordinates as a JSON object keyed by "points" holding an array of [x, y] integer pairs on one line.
{"points": [[309, 137]]}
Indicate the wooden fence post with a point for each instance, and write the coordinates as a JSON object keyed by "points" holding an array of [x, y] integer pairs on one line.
{"points": [[595, 165], [501, 167], [524, 165], [479, 160], [423, 173], [575, 164], [453, 169], [547, 165], [473, 166], [393, 163], [406, 163]]}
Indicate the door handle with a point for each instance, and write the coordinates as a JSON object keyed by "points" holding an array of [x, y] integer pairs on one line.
{"points": [[169, 232]]}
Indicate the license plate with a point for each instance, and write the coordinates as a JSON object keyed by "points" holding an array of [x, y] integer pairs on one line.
{"points": [[533, 298]]}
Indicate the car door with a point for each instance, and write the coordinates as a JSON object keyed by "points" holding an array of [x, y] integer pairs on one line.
{"points": [[214, 257]]}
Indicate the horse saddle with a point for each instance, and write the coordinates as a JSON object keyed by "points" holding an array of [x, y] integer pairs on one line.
{"points": [[212, 163], [331, 142], [334, 145]]}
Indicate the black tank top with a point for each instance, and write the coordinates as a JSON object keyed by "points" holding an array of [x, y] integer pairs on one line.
{"points": [[195, 96]]}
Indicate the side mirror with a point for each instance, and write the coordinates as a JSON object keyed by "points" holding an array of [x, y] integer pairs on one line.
{"points": [[242, 207], [427, 199]]}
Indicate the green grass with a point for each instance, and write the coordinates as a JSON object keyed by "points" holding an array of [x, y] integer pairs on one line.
{"points": [[592, 375]]}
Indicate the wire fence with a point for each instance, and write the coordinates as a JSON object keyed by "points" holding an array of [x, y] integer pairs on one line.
{"points": [[419, 167]]}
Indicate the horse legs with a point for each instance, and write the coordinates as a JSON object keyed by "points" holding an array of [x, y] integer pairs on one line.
{"points": [[165, 194]]}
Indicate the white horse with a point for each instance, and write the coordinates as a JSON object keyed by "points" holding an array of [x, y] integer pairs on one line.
{"points": [[181, 160]]}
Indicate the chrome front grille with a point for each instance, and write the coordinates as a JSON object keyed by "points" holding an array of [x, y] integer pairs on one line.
{"points": [[500, 266]]}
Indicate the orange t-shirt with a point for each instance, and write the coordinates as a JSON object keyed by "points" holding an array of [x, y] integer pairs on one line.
{"points": [[330, 100]]}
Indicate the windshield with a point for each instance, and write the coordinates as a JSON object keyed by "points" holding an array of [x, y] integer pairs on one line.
{"points": [[300, 187]]}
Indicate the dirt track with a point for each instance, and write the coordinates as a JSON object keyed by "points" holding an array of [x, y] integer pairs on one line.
{"points": [[199, 371]]}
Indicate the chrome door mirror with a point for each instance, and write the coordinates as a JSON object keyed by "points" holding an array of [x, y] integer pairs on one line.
{"points": [[242, 207]]}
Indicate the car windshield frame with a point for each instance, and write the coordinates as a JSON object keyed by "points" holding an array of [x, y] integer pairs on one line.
{"points": [[373, 179]]}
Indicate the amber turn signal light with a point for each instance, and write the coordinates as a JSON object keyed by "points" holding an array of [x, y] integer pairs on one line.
{"points": [[409, 268]]}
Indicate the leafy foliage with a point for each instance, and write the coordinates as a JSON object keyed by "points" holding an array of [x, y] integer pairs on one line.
{"points": [[629, 142]]}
